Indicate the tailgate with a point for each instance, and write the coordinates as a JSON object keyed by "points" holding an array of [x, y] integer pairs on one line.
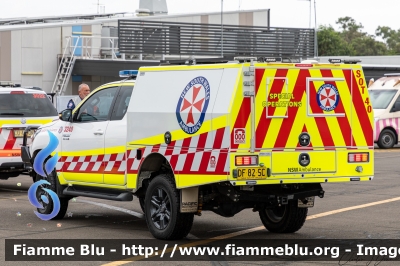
{"points": [[11, 137], [294, 101], [303, 162]]}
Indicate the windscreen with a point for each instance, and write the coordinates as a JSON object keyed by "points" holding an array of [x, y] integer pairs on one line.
{"points": [[26, 104], [381, 98]]}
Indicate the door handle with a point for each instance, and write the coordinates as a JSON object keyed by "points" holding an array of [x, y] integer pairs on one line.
{"points": [[98, 132]]}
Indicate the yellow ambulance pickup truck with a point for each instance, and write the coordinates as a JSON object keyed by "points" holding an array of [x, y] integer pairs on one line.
{"points": [[224, 136]]}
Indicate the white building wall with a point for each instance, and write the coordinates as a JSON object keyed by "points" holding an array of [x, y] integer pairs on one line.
{"points": [[260, 18], [51, 48], [214, 19], [230, 19], [32, 38], [16, 56], [96, 41], [32, 57], [66, 32]]}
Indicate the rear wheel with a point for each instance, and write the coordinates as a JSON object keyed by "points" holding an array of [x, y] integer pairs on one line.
{"points": [[387, 139], [163, 217], [287, 218]]}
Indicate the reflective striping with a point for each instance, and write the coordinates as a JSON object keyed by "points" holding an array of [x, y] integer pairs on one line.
{"points": [[258, 76], [193, 157], [264, 123], [84, 166], [180, 163], [342, 122], [241, 119], [196, 161], [322, 124], [170, 148], [193, 143], [287, 123], [327, 131], [361, 112], [178, 147], [9, 145]]}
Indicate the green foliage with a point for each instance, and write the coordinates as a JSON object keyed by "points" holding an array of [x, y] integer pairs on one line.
{"points": [[330, 42], [352, 40]]}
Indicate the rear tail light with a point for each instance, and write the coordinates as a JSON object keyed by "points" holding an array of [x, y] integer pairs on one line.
{"points": [[17, 92], [246, 160], [358, 157]]}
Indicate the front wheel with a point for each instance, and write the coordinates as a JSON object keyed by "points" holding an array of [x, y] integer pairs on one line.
{"points": [[161, 204], [287, 218], [387, 139]]}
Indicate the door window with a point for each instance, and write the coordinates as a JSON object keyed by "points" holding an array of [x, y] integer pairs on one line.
{"points": [[396, 105], [122, 103], [98, 106]]}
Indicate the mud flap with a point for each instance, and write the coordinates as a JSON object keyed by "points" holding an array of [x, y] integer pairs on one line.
{"points": [[308, 203], [189, 199]]}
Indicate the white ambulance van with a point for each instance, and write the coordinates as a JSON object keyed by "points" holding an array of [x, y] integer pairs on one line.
{"points": [[385, 98]]}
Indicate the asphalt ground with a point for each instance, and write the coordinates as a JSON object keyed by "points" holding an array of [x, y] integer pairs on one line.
{"points": [[354, 210]]}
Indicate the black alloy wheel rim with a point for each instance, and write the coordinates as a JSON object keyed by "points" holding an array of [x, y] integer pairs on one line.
{"points": [[160, 209], [39, 193]]}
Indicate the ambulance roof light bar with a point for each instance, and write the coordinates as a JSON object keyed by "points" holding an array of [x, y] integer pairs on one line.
{"points": [[128, 73], [9, 84], [269, 59], [392, 74], [243, 59], [193, 61], [345, 61]]}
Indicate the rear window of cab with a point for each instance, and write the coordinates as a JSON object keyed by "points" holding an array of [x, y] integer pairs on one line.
{"points": [[20, 103]]}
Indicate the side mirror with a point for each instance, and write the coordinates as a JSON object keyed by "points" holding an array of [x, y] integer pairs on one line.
{"points": [[66, 115]]}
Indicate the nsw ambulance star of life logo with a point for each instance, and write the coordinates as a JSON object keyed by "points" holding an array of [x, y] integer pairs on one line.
{"points": [[328, 97], [192, 105]]}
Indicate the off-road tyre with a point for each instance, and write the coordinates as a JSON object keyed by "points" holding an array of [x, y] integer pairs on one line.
{"points": [[287, 218], [162, 212], [47, 208], [387, 139]]}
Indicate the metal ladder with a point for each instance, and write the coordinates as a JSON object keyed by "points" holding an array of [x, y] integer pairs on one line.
{"points": [[65, 68]]}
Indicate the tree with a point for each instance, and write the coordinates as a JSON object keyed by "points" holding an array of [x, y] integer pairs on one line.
{"points": [[391, 37], [352, 41], [330, 42]]}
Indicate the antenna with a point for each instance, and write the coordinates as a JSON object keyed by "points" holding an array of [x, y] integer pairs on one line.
{"points": [[98, 4]]}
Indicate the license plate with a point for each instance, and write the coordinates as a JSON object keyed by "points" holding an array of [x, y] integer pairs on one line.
{"points": [[309, 204], [251, 173], [19, 133]]}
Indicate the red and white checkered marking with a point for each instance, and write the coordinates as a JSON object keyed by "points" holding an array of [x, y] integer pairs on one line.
{"points": [[190, 155]]}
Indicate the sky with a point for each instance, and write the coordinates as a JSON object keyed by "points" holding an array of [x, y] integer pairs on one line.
{"points": [[284, 13]]}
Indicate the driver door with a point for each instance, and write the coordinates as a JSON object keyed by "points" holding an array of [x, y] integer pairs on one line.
{"points": [[83, 139]]}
